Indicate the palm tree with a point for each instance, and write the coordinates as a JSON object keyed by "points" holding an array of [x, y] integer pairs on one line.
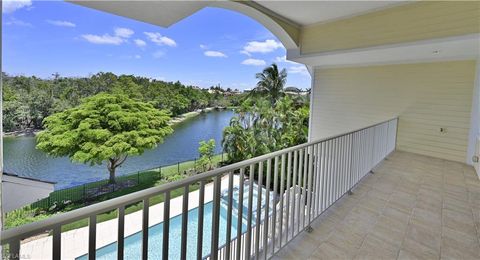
{"points": [[271, 82]]}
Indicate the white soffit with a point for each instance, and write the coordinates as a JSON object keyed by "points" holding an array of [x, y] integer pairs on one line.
{"points": [[451, 48], [310, 12], [165, 13], [162, 13]]}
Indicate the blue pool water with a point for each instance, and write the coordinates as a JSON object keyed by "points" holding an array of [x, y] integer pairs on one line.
{"points": [[133, 243]]}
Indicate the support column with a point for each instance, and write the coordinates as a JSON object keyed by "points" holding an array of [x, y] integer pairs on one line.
{"points": [[312, 98], [1, 129], [474, 132]]}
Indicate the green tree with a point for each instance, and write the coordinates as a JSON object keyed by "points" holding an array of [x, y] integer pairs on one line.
{"points": [[104, 128], [206, 151], [259, 128], [28, 100], [271, 82]]}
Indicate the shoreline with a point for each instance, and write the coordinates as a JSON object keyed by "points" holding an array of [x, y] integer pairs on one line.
{"points": [[181, 118], [30, 132], [23, 133]]}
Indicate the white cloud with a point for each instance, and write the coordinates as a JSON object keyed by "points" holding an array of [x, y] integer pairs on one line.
{"points": [[17, 22], [10, 6], [215, 54], [61, 23], [301, 69], [203, 47], [284, 59], [123, 32], [158, 54], [119, 37], [140, 43], [246, 53], [103, 39], [261, 47], [137, 56], [157, 38], [254, 62]]}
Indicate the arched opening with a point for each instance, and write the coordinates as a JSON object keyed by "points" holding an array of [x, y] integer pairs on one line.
{"points": [[106, 38], [273, 26], [117, 36]]}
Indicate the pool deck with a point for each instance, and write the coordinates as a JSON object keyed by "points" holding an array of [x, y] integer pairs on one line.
{"points": [[75, 242]]}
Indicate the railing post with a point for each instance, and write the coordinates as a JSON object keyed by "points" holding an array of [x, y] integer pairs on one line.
{"points": [[146, 206], [166, 225], [92, 237], [240, 215], [309, 185], [14, 250], [121, 232], [386, 140], [229, 214], [350, 181], [248, 242], [183, 248], [373, 150], [215, 217], [200, 220]]}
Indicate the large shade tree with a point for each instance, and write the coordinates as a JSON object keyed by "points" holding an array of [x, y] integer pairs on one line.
{"points": [[271, 82], [104, 128]]}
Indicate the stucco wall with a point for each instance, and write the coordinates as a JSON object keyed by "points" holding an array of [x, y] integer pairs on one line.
{"points": [[18, 192], [426, 97]]}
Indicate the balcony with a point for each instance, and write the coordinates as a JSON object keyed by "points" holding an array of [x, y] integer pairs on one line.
{"points": [[343, 197], [412, 207], [259, 204], [366, 193]]}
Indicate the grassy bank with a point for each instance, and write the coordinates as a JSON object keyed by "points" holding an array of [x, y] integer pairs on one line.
{"points": [[146, 179]]}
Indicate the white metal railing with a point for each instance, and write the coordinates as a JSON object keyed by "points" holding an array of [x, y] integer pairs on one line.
{"points": [[301, 182]]}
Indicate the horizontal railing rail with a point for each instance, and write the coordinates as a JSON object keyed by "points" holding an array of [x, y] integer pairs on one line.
{"points": [[297, 183]]}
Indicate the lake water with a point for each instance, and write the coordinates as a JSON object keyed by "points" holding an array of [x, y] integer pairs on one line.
{"points": [[21, 157]]}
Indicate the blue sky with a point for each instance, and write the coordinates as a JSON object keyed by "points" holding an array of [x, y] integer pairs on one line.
{"points": [[213, 46]]}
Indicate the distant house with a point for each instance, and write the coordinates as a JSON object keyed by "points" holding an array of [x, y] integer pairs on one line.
{"points": [[19, 191], [292, 90], [232, 92], [295, 91]]}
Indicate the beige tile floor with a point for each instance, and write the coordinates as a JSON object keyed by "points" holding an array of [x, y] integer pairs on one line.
{"points": [[412, 207]]}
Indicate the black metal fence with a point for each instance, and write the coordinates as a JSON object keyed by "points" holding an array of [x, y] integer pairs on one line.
{"points": [[90, 192]]}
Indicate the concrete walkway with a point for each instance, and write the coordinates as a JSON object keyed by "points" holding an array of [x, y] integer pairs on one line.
{"points": [[75, 242]]}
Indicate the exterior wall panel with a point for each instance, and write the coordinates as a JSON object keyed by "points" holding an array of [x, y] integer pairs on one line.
{"points": [[406, 23], [426, 97]]}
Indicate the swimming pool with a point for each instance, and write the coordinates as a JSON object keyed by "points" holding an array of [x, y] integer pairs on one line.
{"points": [[133, 243], [235, 200]]}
